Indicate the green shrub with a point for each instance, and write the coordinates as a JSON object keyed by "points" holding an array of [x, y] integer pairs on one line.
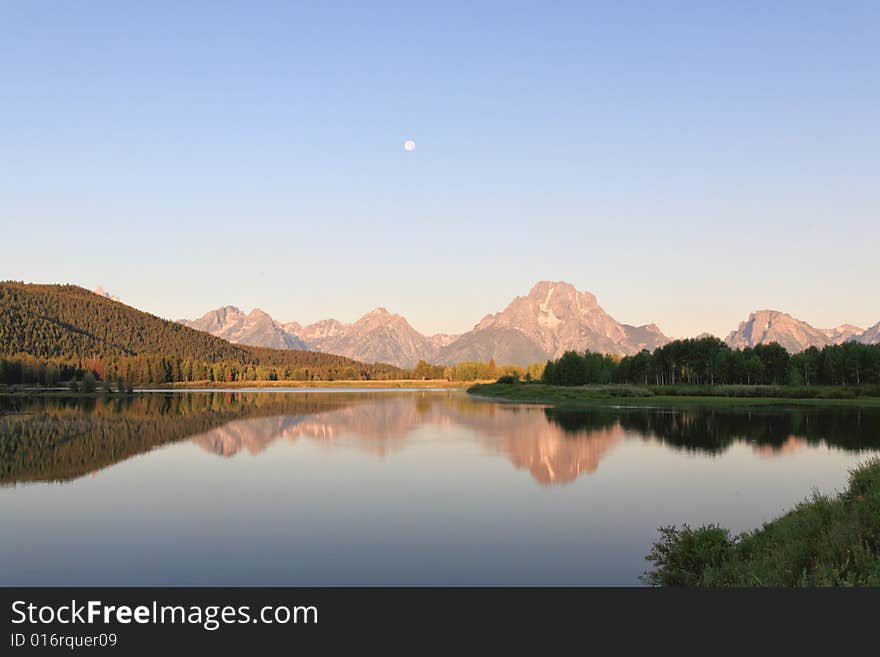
{"points": [[683, 555], [822, 542], [864, 481]]}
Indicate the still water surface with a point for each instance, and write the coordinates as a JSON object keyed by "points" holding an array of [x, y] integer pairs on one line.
{"points": [[388, 487]]}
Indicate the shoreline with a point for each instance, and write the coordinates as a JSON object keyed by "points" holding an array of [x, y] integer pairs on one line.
{"points": [[395, 383], [250, 386], [575, 397]]}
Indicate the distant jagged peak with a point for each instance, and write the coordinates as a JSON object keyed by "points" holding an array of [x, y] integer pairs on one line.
{"points": [[552, 305], [848, 328], [769, 315], [562, 291], [256, 328], [101, 292], [381, 316], [767, 325], [321, 329], [218, 317], [845, 332], [325, 324], [552, 318], [440, 340], [549, 303], [871, 335], [377, 313], [224, 311], [293, 327]]}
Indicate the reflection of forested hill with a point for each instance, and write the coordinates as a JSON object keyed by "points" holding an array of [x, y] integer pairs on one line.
{"points": [[55, 439]]}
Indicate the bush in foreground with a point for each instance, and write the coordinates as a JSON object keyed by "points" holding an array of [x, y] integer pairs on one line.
{"points": [[824, 541]]}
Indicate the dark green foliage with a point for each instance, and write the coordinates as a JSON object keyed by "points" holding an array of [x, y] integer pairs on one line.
{"points": [[709, 362], [822, 542], [89, 383], [864, 482], [683, 555], [546, 394], [50, 333], [508, 379], [574, 369], [768, 391]]}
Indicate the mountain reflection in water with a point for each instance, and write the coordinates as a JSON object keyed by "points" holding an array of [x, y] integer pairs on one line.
{"points": [[550, 452], [59, 439]]}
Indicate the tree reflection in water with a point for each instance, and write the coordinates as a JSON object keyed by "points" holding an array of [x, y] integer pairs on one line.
{"points": [[59, 439]]}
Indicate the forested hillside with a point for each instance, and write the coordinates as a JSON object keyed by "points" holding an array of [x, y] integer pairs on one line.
{"points": [[50, 333]]}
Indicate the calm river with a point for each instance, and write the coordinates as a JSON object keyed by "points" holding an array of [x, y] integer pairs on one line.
{"points": [[388, 487]]}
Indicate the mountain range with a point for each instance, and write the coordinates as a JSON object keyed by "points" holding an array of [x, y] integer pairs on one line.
{"points": [[552, 318], [256, 329]]}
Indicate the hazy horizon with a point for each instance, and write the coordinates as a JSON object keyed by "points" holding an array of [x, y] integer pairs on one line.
{"points": [[686, 165]]}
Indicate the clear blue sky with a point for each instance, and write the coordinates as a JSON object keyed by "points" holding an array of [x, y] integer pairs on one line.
{"points": [[685, 162]]}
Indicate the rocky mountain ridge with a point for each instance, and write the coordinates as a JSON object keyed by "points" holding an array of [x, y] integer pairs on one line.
{"points": [[551, 319], [765, 326]]}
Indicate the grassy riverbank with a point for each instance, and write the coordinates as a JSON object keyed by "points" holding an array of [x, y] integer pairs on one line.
{"points": [[602, 395], [824, 541]]}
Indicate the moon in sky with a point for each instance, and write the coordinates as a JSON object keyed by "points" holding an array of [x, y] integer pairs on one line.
{"points": [[409, 145]]}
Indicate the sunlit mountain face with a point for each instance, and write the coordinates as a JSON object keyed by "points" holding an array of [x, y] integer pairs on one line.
{"points": [[551, 319], [63, 439]]}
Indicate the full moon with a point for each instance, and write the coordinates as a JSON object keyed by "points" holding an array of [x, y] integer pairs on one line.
{"points": [[409, 145]]}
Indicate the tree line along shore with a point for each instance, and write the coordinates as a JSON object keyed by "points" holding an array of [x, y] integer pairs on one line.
{"points": [[708, 362], [91, 374], [701, 368]]}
